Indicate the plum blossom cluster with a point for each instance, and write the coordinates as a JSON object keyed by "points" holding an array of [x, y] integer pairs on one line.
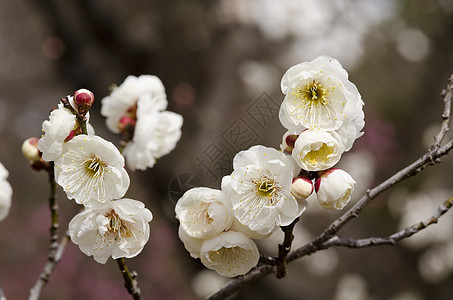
{"points": [[267, 189], [220, 226], [91, 172], [322, 111], [136, 110]]}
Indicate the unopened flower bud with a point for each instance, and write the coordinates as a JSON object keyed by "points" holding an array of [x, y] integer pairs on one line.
{"points": [[288, 141], [30, 150], [33, 155], [126, 122], [302, 187], [70, 136], [334, 188], [83, 99], [126, 126]]}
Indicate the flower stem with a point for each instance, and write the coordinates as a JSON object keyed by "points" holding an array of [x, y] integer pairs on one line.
{"points": [[53, 205], [284, 249], [56, 249], [80, 115], [130, 279]]}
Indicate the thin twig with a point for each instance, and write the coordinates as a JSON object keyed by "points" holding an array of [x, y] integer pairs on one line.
{"points": [[447, 95], [394, 238], [80, 115], [130, 279], [319, 243], [416, 167], [267, 260], [241, 281], [54, 245], [52, 262]]}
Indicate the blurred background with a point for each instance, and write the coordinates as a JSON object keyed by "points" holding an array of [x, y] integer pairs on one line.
{"points": [[221, 63]]}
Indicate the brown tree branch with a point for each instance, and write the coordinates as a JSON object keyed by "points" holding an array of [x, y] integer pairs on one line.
{"points": [[394, 238], [431, 157], [284, 248], [54, 246], [52, 262], [447, 95]]}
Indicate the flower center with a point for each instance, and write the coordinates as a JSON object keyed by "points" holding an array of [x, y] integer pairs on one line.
{"points": [[95, 166], [313, 92], [201, 213], [265, 187], [117, 226], [225, 254], [319, 155]]}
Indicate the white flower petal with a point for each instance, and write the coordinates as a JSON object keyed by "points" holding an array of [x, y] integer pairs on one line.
{"points": [[127, 94], [237, 226], [229, 254], [6, 193], [316, 150], [155, 135], [193, 245], [203, 212], [334, 189], [259, 189], [60, 124]]}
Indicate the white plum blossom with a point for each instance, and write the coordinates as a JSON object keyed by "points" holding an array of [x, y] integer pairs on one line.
{"points": [[60, 124], [6, 193], [117, 229], [350, 129], [138, 105], [203, 212], [334, 188], [60, 128], [230, 254], [125, 97], [319, 96], [259, 189], [91, 170], [156, 134], [316, 150]]}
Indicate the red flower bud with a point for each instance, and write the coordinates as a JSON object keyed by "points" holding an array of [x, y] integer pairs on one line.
{"points": [[84, 99]]}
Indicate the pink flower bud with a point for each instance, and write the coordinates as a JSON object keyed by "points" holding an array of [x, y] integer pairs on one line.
{"points": [[334, 188], [33, 155], [70, 136], [302, 187], [288, 141], [291, 139], [84, 99], [126, 122], [30, 150]]}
